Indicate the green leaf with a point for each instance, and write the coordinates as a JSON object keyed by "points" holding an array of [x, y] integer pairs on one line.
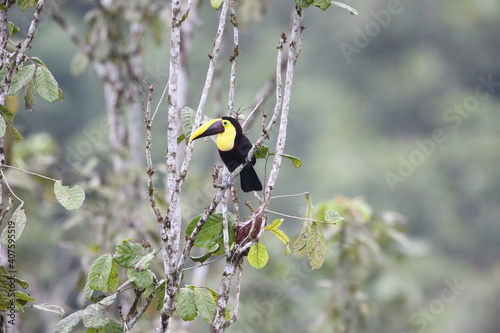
{"points": [[181, 138], [95, 316], [262, 152], [311, 237], [160, 294], [296, 162], [213, 250], [24, 297], [216, 4], [106, 301], [128, 254], [258, 256], [29, 97], [67, 324], [79, 63], [304, 3], [205, 304], [316, 246], [187, 117], [144, 262], [13, 30], [274, 228], [15, 227], [25, 4], [46, 85], [50, 308], [344, 6], [3, 127], [112, 326], [211, 233], [103, 275], [332, 216], [22, 77], [8, 117], [69, 197], [186, 306], [142, 279]]}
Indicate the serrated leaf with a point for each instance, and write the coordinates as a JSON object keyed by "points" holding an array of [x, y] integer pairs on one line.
{"points": [[332, 216], [344, 6], [25, 4], [13, 30], [316, 246], [103, 274], [205, 304], [79, 63], [95, 316], [50, 308], [187, 117], [128, 253], [186, 306], [69, 197], [296, 162], [211, 233], [258, 256], [262, 152], [8, 117], [67, 324], [274, 228], [46, 85], [216, 4], [29, 96], [12, 232], [22, 77], [142, 279]]}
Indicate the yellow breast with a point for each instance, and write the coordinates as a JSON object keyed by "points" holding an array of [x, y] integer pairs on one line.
{"points": [[225, 140]]}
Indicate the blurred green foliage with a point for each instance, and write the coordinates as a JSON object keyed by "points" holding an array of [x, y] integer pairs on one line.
{"points": [[353, 120]]}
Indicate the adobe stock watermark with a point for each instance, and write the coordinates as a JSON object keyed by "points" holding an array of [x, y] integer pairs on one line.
{"points": [[265, 310], [425, 315], [372, 28], [453, 116]]}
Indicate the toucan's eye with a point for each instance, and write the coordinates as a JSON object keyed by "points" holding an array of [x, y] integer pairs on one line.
{"points": [[225, 123]]}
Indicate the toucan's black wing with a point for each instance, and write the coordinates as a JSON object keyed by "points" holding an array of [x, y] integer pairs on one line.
{"points": [[236, 156]]}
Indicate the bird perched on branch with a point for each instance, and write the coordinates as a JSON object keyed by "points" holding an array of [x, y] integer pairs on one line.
{"points": [[233, 148]]}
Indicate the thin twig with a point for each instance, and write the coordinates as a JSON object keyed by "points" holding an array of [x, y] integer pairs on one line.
{"points": [[299, 218], [30, 173], [9, 207], [150, 171], [205, 263], [10, 190]]}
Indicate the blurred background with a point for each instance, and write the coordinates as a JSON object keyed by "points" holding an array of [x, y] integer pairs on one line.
{"points": [[394, 107]]}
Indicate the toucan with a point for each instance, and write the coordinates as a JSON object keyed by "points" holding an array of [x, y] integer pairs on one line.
{"points": [[233, 148]]}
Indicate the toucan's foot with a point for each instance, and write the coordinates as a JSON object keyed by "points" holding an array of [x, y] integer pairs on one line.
{"points": [[226, 182]]}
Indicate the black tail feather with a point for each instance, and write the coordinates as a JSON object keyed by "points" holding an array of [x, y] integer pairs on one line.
{"points": [[249, 180]]}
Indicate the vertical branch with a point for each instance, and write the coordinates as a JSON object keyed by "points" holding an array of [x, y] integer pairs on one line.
{"points": [[233, 58], [213, 56], [171, 227], [219, 324]]}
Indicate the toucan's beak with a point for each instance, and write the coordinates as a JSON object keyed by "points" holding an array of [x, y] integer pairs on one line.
{"points": [[209, 128]]}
